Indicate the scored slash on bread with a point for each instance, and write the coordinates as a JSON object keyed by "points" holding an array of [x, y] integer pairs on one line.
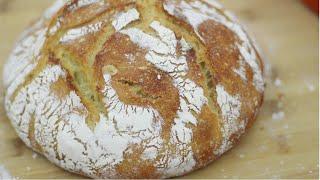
{"points": [[133, 88]]}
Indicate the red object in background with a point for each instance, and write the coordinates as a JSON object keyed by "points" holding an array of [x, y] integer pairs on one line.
{"points": [[312, 4]]}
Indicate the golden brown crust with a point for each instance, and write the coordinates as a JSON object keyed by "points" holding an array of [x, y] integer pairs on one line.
{"points": [[137, 89], [136, 81], [206, 137], [133, 167], [223, 57]]}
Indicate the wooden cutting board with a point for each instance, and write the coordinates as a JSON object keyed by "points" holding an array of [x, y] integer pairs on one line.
{"points": [[284, 141]]}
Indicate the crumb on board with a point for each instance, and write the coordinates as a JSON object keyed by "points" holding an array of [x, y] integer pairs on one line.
{"points": [[310, 86], [282, 142], [34, 155], [278, 115], [4, 173], [263, 148], [277, 82], [28, 168], [276, 177]]}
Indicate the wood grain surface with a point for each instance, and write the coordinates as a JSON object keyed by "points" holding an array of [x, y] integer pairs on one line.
{"points": [[283, 143]]}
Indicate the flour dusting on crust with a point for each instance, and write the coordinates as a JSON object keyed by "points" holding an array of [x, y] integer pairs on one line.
{"points": [[121, 20], [197, 12], [26, 51], [241, 71], [214, 3], [73, 6], [230, 107], [21, 63], [23, 59], [58, 4], [55, 122], [82, 3], [65, 138], [162, 54], [124, 18], [138, 125], [76, 33]]}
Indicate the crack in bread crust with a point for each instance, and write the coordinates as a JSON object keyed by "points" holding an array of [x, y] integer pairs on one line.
{"points": [[90, 36]]}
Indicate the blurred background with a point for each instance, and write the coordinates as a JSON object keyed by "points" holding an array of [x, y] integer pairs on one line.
{"points": [[283, 143], [313, 5]]}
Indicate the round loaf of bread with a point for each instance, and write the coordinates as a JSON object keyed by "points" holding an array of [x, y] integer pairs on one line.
{"points": [[133, 88]]}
